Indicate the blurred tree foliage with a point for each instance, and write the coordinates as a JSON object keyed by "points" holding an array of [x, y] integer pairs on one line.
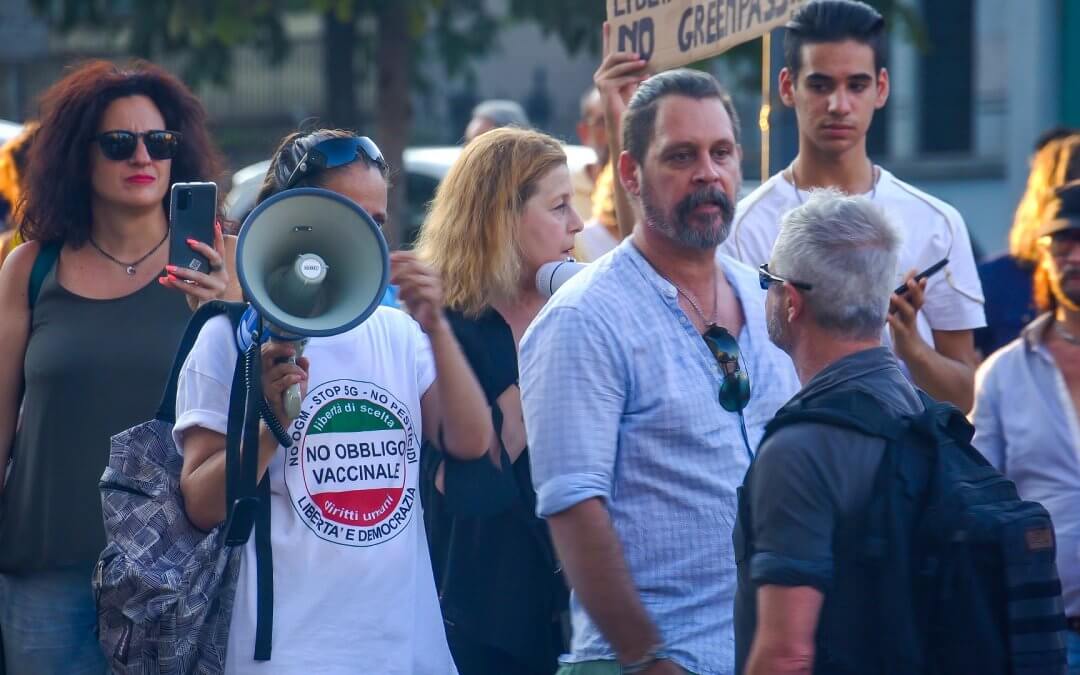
{"points": [[407, 34]]}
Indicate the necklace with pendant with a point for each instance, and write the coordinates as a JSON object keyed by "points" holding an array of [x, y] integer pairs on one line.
{"points": [[129, 267], [693, 303]]}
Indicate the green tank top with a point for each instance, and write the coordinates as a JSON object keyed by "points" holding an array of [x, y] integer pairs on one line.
{"points": [[93, 368]]}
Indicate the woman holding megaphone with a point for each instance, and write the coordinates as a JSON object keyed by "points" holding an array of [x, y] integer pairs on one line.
{"points": [[501, 213], [354, 586]]}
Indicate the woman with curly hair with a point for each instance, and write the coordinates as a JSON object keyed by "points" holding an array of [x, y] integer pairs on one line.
{"points": [[90, 349]]}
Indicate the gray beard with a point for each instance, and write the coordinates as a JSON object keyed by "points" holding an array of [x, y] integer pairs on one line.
{"points": [[682, 231], [776, 329]]}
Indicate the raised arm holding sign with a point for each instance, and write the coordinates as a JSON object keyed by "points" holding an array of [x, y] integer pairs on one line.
{"points": [[617, 79], [672, 33]]}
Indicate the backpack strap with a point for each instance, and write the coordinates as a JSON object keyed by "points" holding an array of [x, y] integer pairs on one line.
{"points": [[851, 409], [234, 310], [46, 259], [264, 574], [248, 503]]}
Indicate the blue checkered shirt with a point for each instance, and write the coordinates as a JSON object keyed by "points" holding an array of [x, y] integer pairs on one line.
{"points": [[620, 395]]}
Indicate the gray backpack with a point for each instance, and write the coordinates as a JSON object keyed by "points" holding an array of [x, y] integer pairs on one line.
{"points": [[164, 588]]}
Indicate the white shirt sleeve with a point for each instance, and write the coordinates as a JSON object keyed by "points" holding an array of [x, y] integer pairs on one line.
{"points": [[205, 383], [954, 297], [425, 358]]}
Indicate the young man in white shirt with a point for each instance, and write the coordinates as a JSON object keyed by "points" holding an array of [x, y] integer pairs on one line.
{"points": [[835, 78]]}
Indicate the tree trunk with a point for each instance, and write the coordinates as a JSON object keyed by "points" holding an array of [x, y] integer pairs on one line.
{"points": [[394, 106], [339, 72]]}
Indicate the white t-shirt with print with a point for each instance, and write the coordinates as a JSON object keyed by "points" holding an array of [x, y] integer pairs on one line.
{"points": [[931, 230], [353, 586]]}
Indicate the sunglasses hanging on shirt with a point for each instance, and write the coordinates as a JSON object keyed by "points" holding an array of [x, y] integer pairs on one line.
{"points": [[735, 387]]}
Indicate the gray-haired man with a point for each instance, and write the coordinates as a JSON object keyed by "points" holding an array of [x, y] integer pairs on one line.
{"points": [[829, 283]]}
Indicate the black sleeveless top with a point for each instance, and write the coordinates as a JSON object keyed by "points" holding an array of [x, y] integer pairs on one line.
{"points": [[495, 567], [92, 368]]}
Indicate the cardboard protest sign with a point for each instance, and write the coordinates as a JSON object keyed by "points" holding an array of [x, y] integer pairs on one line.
{"points": [[671, 33]]}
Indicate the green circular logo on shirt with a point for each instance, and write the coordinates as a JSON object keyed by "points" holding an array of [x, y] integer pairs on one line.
{"points": [[349, 470]]}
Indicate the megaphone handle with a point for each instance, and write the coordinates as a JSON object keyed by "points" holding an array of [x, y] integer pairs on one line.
{"points": [[292, 399]]}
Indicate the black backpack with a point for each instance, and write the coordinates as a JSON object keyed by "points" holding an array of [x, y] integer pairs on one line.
{"points": [[958, 573]]}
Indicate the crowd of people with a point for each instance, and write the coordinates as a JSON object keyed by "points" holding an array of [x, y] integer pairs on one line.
{"points": [[676, 464]]}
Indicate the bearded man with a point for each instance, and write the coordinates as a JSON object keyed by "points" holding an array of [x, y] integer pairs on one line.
{"points": [[646, 381]]}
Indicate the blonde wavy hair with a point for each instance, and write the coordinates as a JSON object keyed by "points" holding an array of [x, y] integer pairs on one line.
{"points": [[471, 234], [1057, 163]]}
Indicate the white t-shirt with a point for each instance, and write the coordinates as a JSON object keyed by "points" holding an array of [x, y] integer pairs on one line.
{"points": [[353, 586], [931, 230]]}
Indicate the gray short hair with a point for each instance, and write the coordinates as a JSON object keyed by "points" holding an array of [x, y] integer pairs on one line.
{"points": [[503, 113], [847, 248]]}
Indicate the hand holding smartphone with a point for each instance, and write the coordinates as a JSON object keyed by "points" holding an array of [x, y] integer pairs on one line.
{"points": [[192, 214], [925, 274]]}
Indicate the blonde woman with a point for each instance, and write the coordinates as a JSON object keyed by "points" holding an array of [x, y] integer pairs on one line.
{"points": [[1007, 279], [502, 211]]}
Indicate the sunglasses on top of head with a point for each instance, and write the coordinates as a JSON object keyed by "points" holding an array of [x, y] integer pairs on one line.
{"points": [[335, 152], [119, 144]]}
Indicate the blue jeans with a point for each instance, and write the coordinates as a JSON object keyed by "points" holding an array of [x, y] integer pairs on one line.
{"points": [[48, 623]]}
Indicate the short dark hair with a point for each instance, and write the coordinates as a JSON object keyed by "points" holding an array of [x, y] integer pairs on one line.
{"points": [[56, 206], [292, 149], [834, 21], [1053, 134], [639, 120]]}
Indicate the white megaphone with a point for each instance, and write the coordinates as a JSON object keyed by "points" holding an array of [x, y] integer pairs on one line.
{"points": [[312, 263], [552, 275]]}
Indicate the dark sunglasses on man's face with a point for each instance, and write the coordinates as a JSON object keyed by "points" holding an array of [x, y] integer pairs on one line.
{"points": [[119, 145], [335, 152], [767, 278], [735, 389], [1061, 244]]}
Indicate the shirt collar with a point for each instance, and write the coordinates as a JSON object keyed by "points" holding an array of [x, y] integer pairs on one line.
{"points": [[637, 258], [667, 289], [848, 368], [1032, 334]]}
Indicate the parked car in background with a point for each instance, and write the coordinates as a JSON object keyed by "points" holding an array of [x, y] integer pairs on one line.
{"points": [[424, 170], [8, 130]]}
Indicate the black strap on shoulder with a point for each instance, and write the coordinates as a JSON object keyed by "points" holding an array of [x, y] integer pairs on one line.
{"points": [[264, 570], [852, 409], [167, 409], [46, 259], [248, 504]]}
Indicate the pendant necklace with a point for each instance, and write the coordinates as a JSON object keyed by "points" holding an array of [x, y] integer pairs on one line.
{"points": [[129, 267], [693, 303]]}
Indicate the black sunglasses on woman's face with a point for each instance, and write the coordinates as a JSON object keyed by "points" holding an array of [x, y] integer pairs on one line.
{"points": [[119, 144]]}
